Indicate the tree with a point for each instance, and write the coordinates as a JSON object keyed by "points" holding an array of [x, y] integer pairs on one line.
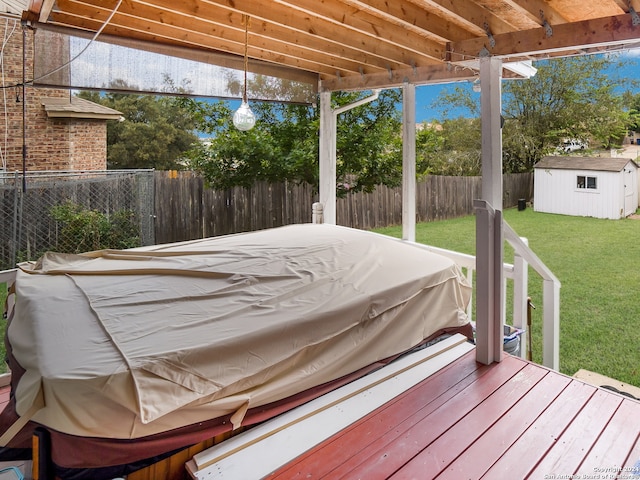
{"points": [[449, 148], [567, 98], [156, 131], [634, 110], [284, 144]]}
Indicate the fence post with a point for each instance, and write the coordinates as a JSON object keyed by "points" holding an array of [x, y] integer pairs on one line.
{"points": [[14, 240]]}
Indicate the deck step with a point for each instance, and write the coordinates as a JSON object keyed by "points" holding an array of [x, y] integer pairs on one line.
{"points": [[598, 380]]}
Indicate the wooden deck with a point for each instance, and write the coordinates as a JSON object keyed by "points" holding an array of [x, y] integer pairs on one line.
{"points": [[510, 420]]}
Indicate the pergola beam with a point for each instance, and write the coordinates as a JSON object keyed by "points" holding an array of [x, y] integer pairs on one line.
{"points": [[568, 37]]}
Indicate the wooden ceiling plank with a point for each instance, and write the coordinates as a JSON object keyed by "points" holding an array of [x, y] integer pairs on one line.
{"points": [[471, 14], [193, 40], [45, 9], [347, 20], [192, 53], [299, 29], [623, 4], [232, 41], [409, 15], [216, 15], [536, 10], [598, 32]]}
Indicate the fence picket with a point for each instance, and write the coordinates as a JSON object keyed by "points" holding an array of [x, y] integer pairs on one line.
{"points": [[176, 206], [267, 205]]}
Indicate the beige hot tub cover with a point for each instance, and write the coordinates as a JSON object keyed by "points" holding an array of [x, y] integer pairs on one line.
{"points": [[124, 344]]}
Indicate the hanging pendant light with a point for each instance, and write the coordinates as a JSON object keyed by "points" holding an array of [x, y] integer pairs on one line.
{"points": [[244, 119]]}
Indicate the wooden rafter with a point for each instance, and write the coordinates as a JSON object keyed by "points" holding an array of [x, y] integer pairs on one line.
{"points": [[359, 43]]}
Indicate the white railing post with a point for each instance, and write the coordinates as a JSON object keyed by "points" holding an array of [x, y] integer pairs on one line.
{"points": [[317, 213], [520, 296], [551, 324], [469, 277], [550, 300]]}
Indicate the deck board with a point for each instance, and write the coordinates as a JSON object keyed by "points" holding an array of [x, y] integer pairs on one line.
{"points": [[486, 449], [408, 439], [514, 419], [452, 442], [417, 402], [614, 443], [547, 429], [389, 451], [566, 455]]}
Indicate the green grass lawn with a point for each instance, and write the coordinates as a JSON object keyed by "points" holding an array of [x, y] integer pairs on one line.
{"points": [[597, 262]]}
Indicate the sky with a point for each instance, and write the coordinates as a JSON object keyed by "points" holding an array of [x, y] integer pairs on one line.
{"points": [[426, 95]]}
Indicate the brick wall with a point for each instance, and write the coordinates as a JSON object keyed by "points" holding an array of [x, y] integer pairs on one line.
{"points": [[52, 143]]}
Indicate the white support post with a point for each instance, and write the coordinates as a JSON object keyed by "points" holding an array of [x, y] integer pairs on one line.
{"points": [[490, 105], [327, 153], [520, 296], [551, 324], [488, 287], [409, 162], [489, 237]]}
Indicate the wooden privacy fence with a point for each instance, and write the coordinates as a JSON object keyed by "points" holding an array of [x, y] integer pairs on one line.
{"points": [[186, 209]]}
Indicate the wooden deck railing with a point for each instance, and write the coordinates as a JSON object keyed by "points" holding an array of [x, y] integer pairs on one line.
{"points": [[518, 274]]}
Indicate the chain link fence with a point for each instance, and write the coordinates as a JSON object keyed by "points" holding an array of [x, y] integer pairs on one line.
{"points": [[73, 212]]}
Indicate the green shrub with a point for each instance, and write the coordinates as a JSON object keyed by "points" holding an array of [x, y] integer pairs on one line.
{"points": [[82, 230]]}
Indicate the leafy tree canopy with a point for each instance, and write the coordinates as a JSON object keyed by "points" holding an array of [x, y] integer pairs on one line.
{"points": [[156, 131], [284, 143]]}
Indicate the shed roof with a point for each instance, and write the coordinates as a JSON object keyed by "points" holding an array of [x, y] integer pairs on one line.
{"points": [[76, 107], [606, 164]]}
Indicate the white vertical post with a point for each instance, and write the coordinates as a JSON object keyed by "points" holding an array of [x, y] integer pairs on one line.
{"points": [[520, 296], [484, 284], [491, 107], [551, 324], [409, 162], [489, 285], [327, 154], [489, 237]]}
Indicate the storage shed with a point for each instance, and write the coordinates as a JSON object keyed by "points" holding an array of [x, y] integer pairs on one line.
{"points": [[586, 186]]}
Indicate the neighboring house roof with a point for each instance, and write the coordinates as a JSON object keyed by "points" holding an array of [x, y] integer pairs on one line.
{"points": [[75, 107], [13, 7], [605, 164]]}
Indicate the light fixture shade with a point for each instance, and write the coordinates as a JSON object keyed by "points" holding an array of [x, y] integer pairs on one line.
{"points": [[244, 119]]}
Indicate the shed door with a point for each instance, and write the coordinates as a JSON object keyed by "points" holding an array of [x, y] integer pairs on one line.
{"points": [[629, 207]]}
